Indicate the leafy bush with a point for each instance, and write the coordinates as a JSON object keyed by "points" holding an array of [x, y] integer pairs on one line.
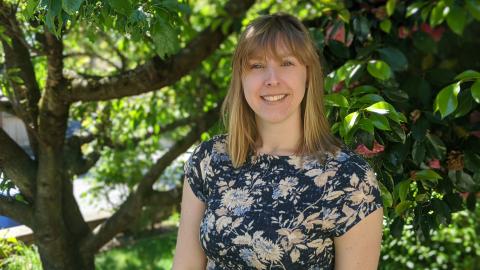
{"points": [[456, 246], [402, 90], [15, 255]]}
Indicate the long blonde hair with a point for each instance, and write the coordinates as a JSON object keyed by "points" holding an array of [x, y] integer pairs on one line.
{"points": [[263, 34]]}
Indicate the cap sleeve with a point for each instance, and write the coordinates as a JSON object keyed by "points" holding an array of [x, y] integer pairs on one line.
{"points": [[361, 194], [195, 172]]}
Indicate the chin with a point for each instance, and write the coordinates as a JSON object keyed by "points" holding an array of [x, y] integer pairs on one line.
{"points": [[273, 119]]}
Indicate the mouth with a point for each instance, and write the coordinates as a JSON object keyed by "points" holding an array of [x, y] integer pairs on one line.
{"points": [[274, 98]]}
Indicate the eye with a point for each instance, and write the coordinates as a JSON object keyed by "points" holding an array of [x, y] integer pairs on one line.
{"points": [[287, 63], [256, 66]]}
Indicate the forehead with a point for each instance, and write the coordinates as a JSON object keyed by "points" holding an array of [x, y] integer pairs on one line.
{"points": [[275, 51]]}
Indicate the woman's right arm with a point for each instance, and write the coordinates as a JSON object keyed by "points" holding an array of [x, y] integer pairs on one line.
{"points": [[189, 254]]}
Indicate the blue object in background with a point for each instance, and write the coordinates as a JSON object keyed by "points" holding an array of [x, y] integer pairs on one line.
{"points": [[5, 222]]}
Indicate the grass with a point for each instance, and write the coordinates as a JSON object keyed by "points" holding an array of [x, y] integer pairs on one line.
{"points": [[147, 253]]}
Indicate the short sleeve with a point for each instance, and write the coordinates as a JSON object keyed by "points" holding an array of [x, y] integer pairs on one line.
{"points": [[193, 173], [361, 194]]}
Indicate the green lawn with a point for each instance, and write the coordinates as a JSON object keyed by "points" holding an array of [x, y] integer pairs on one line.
{"points": [[148, 253]]}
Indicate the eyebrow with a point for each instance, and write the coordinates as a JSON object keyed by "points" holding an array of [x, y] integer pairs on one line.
{"points": [[261, 58]]}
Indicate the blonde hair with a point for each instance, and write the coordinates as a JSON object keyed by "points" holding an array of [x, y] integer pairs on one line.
{"points": [[264, 33]]}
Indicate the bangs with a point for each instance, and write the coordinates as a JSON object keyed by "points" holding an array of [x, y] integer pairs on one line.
{"points": [[273, 40]]}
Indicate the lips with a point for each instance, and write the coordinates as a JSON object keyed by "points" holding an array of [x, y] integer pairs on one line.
{"points": [[274, 98]]}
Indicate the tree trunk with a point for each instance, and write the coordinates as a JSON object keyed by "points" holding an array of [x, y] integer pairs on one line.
{"points": [[72, 261]]}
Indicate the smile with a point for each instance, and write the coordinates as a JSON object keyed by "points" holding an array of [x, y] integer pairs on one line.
{"points": [[274, 98]]}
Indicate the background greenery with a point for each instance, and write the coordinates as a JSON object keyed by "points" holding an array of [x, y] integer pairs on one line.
{"points": [[402, 87]]}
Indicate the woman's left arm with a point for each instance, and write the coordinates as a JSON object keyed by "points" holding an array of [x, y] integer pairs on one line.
{"points": [[359, 247]]}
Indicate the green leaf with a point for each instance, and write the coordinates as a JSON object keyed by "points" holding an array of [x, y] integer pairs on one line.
{"points": [[370, 98], [390, 7], [438, 14], [457, 19], [442, 210], [396, 95], [380, 107], [472, 161], [414, 8], [366, 125], [473, 7], [436, 146], [403, 189], [396, 228], [394, 57], [336, 100], [123, 7], [386, 195], [344, 14], [339, 49], [164, 37], [30, 8], [446, 101], [468, 75], [418, 152], [379, 69], [364, 89], [54, 10], [476, 91], [465, 104], [386, 25], [424, 42], [226, 25], [350, 120], [398, 134], [427, 175], [462, 181], [379, 121], [361, 27], [71, 6]]}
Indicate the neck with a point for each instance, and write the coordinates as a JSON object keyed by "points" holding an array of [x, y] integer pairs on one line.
{"points": [[280, 138]]}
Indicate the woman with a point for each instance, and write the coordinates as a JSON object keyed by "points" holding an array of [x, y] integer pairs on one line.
{"points": [[279, 191]]}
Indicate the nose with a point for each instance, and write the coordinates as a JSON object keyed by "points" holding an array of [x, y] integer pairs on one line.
{"points": [[271, 77]]}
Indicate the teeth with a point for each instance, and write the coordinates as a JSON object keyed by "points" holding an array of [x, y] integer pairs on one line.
{"points": [[273, 98]]}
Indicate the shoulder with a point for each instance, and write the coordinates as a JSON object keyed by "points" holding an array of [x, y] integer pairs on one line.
{"points": [[354, 170], [213, 147], [339, 168], [346, 160]]}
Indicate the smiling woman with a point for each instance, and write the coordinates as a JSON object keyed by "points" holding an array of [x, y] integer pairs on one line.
{"points": [[279, 191]]}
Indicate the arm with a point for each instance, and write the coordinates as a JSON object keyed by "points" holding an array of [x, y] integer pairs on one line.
{"points": [[189, 254], [359, 248]]}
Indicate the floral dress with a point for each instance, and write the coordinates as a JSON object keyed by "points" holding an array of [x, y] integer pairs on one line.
{"points": [[278, 212]]}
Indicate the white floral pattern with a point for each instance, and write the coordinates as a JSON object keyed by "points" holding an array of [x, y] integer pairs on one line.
{"points": [[278, 212]]}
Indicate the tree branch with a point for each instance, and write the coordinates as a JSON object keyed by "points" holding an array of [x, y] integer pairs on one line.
{"points": [[21, 74], [17, 165], [6, 106], [166, 128], [93, 55], [130, 210], [17, 211], [54, 52], [157, 73], [171, 197], [76, 162]]}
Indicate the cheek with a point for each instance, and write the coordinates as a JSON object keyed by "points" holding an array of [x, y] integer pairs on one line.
{"points": [[249, 85]]}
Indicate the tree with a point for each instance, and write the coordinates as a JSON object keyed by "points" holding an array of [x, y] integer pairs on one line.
{"points": [[35, 34], [157, 70]]}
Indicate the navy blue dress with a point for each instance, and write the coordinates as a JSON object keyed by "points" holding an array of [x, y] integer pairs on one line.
{"points": [[278, 212]]}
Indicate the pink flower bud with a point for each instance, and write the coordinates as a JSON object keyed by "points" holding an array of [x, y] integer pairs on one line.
{"points": [[434, 164]]}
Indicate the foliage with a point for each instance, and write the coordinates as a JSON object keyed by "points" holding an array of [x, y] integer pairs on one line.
{"points": [[401, 88], [397, 59], [148, 253], [402, 85], [15, 255], [456, 246]]}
